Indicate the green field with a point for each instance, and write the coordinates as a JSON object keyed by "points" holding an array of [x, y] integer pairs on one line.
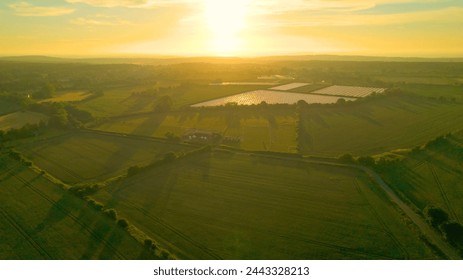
{"points": [[376, 126], [120, 101], [117, 101], [19, 119], [262, 129], [68, 97], [434, 177], [8, 107], [225, 205], [39, 220], [89, 156]]}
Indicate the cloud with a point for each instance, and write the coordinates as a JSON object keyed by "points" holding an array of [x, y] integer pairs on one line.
{"points": [[28, 10], [302, 18], [100, 20], [114, 3]]}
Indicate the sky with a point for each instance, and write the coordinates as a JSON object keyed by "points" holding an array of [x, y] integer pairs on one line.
{"points": [[408, 28]]}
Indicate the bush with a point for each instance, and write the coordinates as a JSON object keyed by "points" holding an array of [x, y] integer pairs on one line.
{"points": [[169, 157], [84, 190], [453, 232], [148, 243], [347, 158], [133, 170], [123, 223], [164, 254], [436, 216], [366, 160], [111, 213], [95, 204]]}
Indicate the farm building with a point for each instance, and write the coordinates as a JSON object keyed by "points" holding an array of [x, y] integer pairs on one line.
{"points": [[201, 136]]}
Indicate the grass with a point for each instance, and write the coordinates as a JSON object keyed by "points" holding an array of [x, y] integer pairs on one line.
{"points": [[446, 90], [117, 101], [120, 101], [19, 119], [8, 107], [376, 126], [78, 157], [223, 205], [258, 128], [432, 177], [40, 220], [68, 97]]}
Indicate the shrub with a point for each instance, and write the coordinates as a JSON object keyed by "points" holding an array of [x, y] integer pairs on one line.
{"points": [[348, 158], [148, 243], [169, 157], [95, 204], [164, 254], [133, 170], [123, 223], [111, 213], [366, 160], [436, 216], [453, 232]]}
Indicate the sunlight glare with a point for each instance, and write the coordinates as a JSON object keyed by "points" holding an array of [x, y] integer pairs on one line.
{"points": [[225, 20]]}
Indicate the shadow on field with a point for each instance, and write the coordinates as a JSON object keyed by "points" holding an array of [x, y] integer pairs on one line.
{"points": [[101, 229], [115, 238], [11, 173], [138, 103], [316, 118], [56, 213], [150, 125], [120, 157]]}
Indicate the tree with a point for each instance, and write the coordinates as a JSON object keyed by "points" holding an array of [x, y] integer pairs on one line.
{"points": [[341, 101], [436, 216], [133, 170], [48, 90], [347, 158], [453, 232], [123, 223], [111, 213], [366, 160]]}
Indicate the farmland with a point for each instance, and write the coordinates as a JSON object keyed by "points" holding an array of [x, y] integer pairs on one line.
{"points": [[289, 86], [91, 156], [270, 97], [349, 91], [283, 179], [219, 205], [68, 97], [39, 220], [432, 176], [121, 101], [374, 127], [258, 129], [20, 119]]}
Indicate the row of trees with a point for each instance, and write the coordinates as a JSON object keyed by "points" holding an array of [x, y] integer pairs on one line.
{"points": [[451, 230], [28, 130]]}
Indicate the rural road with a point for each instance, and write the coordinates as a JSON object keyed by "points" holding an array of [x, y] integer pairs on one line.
{"points": [[425, 229]]}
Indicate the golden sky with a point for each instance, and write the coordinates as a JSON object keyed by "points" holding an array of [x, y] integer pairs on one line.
{"points": [[427, 28]]}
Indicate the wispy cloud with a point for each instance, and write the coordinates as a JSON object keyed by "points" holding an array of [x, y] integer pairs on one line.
{"points": [[100, 20], [302, 18], [115, 3], [28, 10]]}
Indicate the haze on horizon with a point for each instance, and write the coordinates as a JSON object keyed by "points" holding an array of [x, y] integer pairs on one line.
{"points": [[428, 28]]}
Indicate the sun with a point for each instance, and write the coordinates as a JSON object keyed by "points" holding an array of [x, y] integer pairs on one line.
{"points": [[225, 20]]}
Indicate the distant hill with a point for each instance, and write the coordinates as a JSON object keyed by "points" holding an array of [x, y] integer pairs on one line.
{"points": [[176, 60]]}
